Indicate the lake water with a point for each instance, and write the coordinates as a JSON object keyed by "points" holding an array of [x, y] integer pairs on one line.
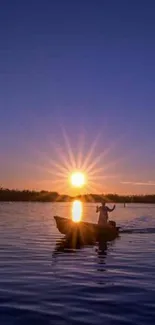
{"points": [[114, 284]]}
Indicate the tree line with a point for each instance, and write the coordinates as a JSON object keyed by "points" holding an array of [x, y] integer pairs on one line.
{"points": [[7, 195]]}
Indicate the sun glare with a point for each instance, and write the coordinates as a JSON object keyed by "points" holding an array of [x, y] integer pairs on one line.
{"points": [[78, 179], [77, 211], [76, 170]]}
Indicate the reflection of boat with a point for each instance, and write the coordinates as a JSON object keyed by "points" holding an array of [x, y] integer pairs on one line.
{"points": [[67, 245], [84, 231]]}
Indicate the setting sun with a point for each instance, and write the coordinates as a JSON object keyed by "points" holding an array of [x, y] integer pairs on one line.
{"points": [[78, 179]]}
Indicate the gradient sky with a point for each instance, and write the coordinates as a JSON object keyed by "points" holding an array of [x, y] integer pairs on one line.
{"points": [[80, 73]]}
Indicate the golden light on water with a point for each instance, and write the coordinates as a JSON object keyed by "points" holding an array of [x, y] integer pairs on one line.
{"points": [[77, 210], [78, 179]]}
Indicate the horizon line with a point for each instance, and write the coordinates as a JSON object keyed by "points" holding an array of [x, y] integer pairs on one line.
{"points": [[72, 196]]}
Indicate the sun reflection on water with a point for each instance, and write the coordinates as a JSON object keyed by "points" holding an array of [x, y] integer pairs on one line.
{"points": [[77, 210]]}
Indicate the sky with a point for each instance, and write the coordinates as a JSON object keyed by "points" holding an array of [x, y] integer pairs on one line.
{"points": [[77, 82]]}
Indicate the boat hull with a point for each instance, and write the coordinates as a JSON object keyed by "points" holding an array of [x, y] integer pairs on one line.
{"points": [[85, 231]]}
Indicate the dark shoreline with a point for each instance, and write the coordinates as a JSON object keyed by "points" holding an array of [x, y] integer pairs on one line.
{"points": [[9, 195]]}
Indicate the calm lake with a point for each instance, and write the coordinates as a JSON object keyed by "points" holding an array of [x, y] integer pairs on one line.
{"points": [[114, 284]]}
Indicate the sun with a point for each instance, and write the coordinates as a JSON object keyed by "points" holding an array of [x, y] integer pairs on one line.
{"points": [[78, 179]]}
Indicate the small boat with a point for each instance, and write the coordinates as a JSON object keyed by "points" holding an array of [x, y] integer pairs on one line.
{"points": [[86, 231]]}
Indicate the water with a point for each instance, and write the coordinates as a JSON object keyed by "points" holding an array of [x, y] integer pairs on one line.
{"points": [[112, 284]]}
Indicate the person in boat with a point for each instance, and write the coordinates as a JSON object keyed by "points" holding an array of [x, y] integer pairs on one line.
{"points": [[103, 210]]}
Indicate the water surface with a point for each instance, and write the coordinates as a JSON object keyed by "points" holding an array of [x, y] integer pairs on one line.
{"points": [[111, 283]]}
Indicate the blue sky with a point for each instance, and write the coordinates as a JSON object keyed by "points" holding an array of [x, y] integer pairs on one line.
{"points": [[86, 67]]}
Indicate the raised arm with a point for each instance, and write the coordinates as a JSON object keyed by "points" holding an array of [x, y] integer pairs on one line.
{"points": [[110, 210]]}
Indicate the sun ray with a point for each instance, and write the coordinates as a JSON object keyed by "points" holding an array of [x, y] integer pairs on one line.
{"points": [[62, 156], [103, 177], [93, 188], [65, 160], [96, 161], [80, 151], [54, 145], [51, 162], [58, 165], [57, 181], [62, 188], [102, 155], [69, 149], [98, 170], [114, 163], [90, 153], [52, 172]]}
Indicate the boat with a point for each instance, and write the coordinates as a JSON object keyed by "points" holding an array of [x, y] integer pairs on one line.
{"points": [[85, 231]]}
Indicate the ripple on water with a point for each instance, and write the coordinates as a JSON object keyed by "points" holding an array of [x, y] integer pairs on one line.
{"points": [[114, 284]]}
